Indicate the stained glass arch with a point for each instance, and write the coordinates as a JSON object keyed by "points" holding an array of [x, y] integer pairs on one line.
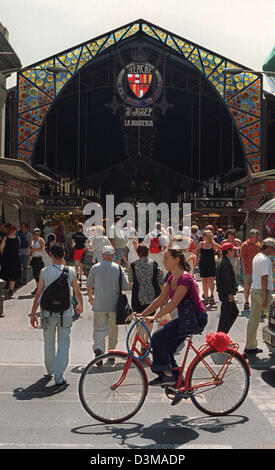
{"points": [[241, 93]]}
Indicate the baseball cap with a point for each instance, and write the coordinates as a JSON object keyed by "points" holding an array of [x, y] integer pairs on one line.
{"points": [[269, 242], [108, 250], [227, 246]]}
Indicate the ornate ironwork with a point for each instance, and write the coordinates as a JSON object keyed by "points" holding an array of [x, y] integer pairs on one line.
{"points": [[241, 94]]}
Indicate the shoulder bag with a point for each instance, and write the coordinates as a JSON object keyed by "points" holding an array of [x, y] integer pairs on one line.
{"points": [[123, 309]]}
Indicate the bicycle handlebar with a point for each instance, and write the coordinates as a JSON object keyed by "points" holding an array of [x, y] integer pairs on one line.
{"points": [[138, 320]]}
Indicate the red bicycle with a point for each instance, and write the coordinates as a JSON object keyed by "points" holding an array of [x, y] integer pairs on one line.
{"points": [[113, 386]]}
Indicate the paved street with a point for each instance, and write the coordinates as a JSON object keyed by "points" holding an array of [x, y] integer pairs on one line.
{"points": [[34, 415]]}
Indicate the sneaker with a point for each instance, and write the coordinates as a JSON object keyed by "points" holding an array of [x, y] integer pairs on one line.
{"points": [[98, 352], [11, 293], [62, 384], [163, 380]]}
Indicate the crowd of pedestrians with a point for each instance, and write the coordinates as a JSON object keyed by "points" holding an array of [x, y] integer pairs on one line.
{"points": [[161, 270]]}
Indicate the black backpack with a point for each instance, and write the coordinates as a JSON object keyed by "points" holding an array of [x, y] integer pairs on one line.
{"points": [[56, 298]]}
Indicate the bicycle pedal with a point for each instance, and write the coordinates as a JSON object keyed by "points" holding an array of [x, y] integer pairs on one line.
{"points": [[169, 389]]}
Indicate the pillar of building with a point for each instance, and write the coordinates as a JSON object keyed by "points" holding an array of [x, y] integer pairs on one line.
{"points": [[3, 98]]}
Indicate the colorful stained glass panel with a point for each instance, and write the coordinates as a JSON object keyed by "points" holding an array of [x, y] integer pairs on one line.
{"points": [[241, 92]]}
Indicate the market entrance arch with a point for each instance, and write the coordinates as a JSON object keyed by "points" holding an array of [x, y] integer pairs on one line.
{"points": [[40, 90]]}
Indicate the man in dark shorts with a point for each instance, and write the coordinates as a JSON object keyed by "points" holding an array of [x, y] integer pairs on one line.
{"points": [[79, 245]]}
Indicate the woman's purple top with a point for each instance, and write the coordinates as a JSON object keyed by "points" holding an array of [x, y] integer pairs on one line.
{"points": [[192, 290]]}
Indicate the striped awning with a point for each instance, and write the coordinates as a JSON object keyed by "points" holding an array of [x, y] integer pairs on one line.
{"points": [[268, 207]]}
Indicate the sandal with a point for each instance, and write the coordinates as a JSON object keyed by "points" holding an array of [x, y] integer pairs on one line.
{"points": [[212, 301]]}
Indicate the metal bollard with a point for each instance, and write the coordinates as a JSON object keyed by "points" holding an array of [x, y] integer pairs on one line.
{"points": [[2, 296]]}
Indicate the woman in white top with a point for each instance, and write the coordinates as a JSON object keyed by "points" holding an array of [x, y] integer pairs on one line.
{"points": [[37, 250]]}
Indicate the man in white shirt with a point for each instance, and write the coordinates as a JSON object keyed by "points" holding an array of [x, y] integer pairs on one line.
{"points": [[157, 244], [261, 288]]}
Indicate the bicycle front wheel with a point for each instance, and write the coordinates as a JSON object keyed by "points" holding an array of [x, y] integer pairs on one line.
{"points": [[219, 398], [113, 387]]}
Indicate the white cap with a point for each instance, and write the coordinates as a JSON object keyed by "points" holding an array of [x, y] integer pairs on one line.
{"points": [[108, 250], [269, 242]]}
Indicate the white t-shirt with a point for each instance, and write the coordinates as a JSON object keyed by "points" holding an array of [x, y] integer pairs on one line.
{"points": [[261, 266], [156, 233]]}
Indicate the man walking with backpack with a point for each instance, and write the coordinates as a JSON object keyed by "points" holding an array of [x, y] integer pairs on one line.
{"points": [[157, 244], [54, 285]]}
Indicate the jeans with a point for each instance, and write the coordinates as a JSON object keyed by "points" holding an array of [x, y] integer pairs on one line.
{"points": [[165, 342], [56, 362]]}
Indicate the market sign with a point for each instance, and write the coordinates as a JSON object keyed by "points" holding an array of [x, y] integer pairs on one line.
{"points": [[61, 201], [18, 189], [222, 204], [139, 86]]}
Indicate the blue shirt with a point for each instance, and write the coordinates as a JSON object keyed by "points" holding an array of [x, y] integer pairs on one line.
{"points": [[104, 277]]}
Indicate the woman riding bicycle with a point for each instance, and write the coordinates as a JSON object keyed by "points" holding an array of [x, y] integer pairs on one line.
{"points": [[165, 341]]}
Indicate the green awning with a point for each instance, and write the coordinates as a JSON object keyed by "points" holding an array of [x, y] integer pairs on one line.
{"points": [[269, 64]]}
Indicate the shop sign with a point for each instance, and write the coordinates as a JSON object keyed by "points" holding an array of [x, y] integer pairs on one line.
{"points": [[222, 204], [56, 201], [31, 191], [271, 186], [256, 189], [3, 189], [15, 188], [261, 188]]}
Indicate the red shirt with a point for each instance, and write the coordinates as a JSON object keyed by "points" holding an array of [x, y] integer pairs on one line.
{"points": [[248, 251]]}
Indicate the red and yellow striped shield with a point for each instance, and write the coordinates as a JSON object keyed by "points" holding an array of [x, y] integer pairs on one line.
{"points": [[139, 83]]}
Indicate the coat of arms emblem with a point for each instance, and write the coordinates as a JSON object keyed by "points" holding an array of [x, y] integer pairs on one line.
{"points": [[139, 83]]}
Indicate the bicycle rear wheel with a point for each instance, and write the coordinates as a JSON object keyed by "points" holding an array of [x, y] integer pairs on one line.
{"points": [[219, 399], [113, 387]]}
